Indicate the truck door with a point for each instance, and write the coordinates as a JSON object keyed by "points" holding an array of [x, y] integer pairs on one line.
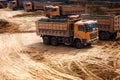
{"points": [[79, 31]]}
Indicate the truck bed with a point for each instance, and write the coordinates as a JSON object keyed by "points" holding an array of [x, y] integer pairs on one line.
{"points": [[53, 27], [39, 5], [117, 23], [73, 9]]}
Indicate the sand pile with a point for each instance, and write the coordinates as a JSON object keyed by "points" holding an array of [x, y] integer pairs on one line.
{"points": [[30, 14], [35, 55], [6, 26]]}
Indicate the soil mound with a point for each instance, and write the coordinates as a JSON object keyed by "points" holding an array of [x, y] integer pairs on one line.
{"points": [[6, 26], [30, 14]]}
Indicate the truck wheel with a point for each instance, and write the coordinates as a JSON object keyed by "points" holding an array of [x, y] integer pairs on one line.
{"points": [[46, 40], [112, 37], [89, 44], [104, 35], [78, 44], [14, 8], [54, 41], [1, 6]]}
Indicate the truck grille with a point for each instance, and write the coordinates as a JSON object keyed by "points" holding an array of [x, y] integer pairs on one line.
{"points": [[93, 35]]}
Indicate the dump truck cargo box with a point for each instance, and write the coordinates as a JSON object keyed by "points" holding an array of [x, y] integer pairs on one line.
{"points": [[117, 23], [53, 27], [39, 5], [73, 9]]}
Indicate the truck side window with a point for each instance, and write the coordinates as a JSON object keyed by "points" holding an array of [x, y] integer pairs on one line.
{"points": [[80, 28]]}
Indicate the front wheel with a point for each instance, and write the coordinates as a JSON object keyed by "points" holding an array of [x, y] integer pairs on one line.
{"points": [[88, 44], [78, 44], [15, 8]]}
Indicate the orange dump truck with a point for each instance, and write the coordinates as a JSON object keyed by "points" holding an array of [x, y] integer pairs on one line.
{"points": [[70, 32], [34, 5], [38, 5], [3, 3], [64, 10], [109, 26]]}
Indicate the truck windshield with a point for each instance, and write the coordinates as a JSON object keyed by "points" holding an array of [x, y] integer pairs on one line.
{"points": [[12, 2], [91, 27]]}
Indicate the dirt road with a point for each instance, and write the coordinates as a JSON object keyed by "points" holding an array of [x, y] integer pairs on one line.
{"points": [[24, 57]]}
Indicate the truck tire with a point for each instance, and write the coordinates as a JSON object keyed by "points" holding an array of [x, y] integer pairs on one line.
{"points": [[15, 8], [78, 44], [113, 36], [54, 41], [89, 44], [104, 36], [1, 6], [46, 40]]}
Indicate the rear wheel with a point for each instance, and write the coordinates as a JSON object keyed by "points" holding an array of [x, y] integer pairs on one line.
{"points": [[112, 37], [15, 8], [78, 44], [104, 35], [46, 40], [54, 41]]}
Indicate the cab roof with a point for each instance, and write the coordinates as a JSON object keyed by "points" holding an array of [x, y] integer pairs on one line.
{"points": [[50, 6], [27, 2], [95, 16], [82, 22], [71, 6]]}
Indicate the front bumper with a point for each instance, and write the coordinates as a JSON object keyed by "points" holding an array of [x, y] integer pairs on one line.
{"points": [[92, 40]]}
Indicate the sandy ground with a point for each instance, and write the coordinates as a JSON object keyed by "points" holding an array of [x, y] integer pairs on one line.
{"points": [[24, 57], [26, 23]]}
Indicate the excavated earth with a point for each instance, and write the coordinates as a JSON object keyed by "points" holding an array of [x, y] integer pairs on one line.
{"points": [[24, 57]]}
